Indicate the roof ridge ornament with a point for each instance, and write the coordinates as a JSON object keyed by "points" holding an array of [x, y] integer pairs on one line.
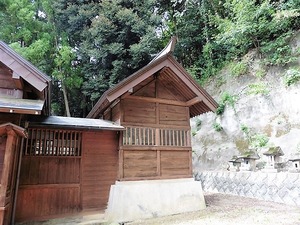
{"points": [[169, 49]]}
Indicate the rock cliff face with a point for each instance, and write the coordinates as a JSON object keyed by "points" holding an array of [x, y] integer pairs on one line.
{"points": [[261, 111]]}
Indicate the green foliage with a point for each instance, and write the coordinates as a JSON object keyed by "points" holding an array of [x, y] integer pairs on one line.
{"points": [[117, 42], [221, 108], [108, 40], [278, 51], [198, 124], [258, 88], [260, 73], [256, 140], [292, 76], [245, 129], [238, 68], [217, 127], [226, 99], [194, 133]]}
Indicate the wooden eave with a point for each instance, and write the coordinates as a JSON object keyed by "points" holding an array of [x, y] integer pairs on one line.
{"points": [[21, 106], [60, 122], [198, 99], [22, 68], [6, 127]]}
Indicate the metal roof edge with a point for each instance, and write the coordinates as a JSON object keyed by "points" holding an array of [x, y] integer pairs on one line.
{"points": [[70, 122], [25, 62]]}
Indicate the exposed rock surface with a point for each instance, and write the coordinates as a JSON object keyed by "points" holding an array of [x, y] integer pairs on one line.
{"points": [[264, 107]]}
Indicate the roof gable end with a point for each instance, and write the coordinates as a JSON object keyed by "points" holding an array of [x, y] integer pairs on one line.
{"points": [[22, 68], [200, 102]]}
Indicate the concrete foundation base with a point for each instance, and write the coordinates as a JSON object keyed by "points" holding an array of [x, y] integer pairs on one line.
{"points": [[133, 200]]}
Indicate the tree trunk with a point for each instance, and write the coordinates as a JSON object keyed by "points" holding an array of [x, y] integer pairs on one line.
{"points": [[67, 108]]}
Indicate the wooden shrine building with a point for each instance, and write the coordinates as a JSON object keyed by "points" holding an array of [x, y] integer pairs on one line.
{"points": [[50, 166], [138, 132], [154, 105]]}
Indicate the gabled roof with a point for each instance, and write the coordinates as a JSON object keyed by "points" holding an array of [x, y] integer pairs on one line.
{"points": [[199, 100], [274, 151], [22, 68], [74, 123], [4, 128]]}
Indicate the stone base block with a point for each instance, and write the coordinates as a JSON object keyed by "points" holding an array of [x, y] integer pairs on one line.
{"points": [[133, 200]]}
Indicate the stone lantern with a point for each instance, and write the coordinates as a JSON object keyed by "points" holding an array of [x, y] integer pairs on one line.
{"points": [[248, 160], [274, 157], [295, 159], [235, 163]]}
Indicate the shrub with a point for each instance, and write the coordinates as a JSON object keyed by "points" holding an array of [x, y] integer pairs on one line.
{"points": [[226, 98], [260, 73], [278, 52], [258, 88], [238, 68], [258, 140], [292, 76], [221, 108], [217, 127]]}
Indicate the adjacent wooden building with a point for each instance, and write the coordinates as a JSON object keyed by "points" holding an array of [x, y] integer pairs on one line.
{"points": [[155, 105], [50, 166], [54, 166]]}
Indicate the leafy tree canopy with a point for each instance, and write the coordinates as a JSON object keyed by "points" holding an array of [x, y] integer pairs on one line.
{"points": [[88, 46]]}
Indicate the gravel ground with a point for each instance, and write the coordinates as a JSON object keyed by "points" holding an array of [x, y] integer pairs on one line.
{"points": [[230, 210]]}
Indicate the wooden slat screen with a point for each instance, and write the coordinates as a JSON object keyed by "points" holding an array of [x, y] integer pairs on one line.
{"points": [[139, 136], [169, 137], [156, 137], [50, 142]]}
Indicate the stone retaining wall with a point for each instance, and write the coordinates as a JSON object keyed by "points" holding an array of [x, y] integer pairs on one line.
{"points": [[281, 187]]}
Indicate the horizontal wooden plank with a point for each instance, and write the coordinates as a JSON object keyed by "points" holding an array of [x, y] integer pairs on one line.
{"points": [[142, 164], [157, 100], [139, 155], [47, 186], [171, 172], [154, 148], [46, 202], [172, 109], [134, 173], [173, 122]]}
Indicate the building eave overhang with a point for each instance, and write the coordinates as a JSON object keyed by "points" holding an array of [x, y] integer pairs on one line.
{"points": [[164, 59], [22, 68]]}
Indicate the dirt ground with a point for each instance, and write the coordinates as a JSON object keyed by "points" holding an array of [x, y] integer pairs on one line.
{"points": [[230, 210]]}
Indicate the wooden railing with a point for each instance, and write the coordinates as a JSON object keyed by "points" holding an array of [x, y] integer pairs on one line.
{"points": [[150, 136], [48, 142]]}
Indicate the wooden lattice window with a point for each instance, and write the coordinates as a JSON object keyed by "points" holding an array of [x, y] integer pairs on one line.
{"points": [[49, 142], [156, 136], [170, 137], [139, 136]]}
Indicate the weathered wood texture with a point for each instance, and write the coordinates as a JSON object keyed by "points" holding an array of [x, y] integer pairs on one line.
{"points": [[140, 163], [44, 202], [2, 152], [49, 186], [156, 164], [6, 80], [139, 112], [9, 150], [99, 168], [156, 141]]}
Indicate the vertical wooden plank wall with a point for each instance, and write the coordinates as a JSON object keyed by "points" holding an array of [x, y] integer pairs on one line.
{"points": [[9, 163], [99, 168], [161, 160]]}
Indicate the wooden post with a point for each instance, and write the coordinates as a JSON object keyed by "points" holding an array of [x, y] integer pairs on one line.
{"points": [[9, 152]]}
